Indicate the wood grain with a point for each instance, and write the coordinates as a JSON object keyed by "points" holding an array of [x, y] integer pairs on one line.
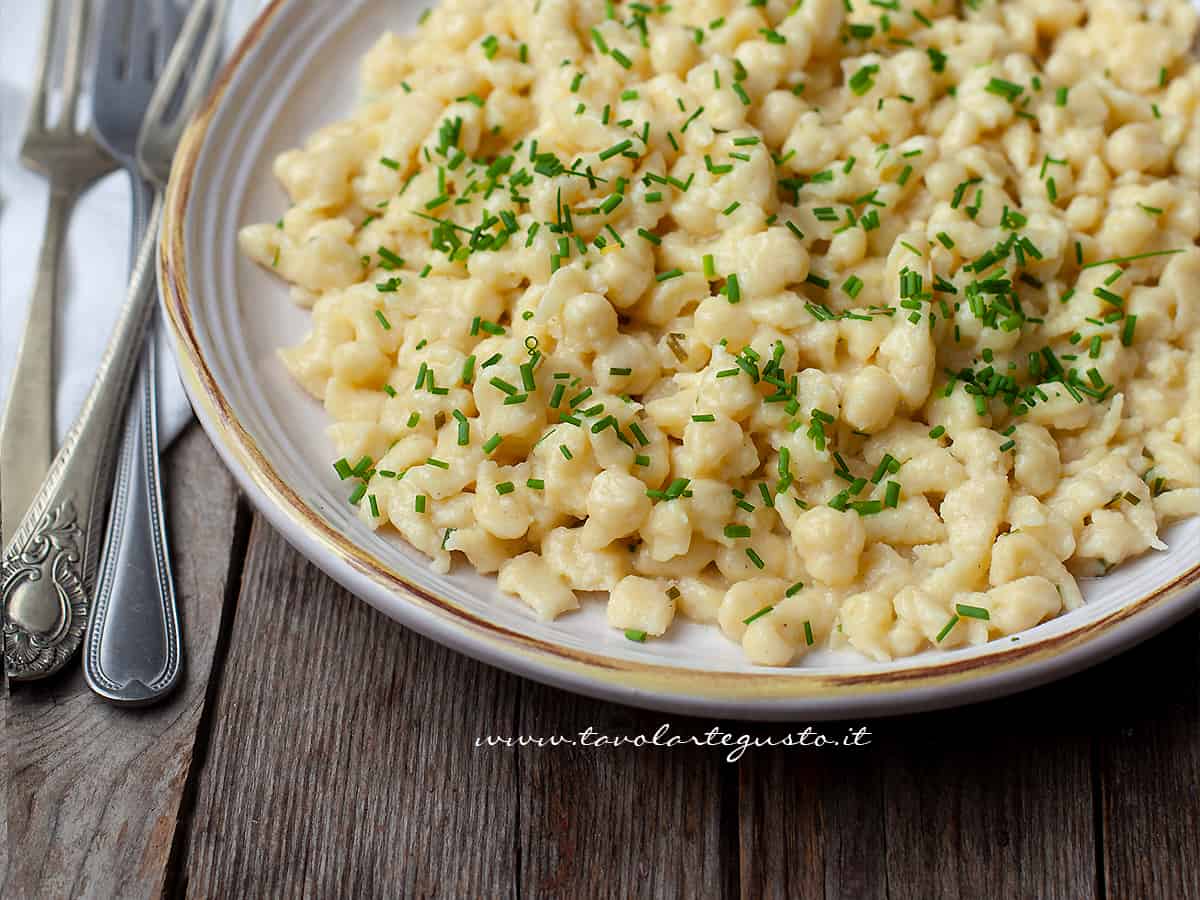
{"points": [[812, 819], [991, 800], [622, 822], [95, 789], [1148, 761], [342, 761]]}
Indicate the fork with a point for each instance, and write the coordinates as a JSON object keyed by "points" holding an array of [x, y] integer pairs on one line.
{"points": [[71, 159], [45, 584], [134, 614]]}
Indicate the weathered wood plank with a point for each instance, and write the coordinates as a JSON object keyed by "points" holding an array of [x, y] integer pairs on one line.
{"points": [[1148, 761], [342, 762], [96, 790], [812, 819], [627, 821], [992, 800]]}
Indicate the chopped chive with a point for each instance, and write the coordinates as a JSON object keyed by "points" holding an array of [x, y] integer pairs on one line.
{"points": [[676, 488], [1127, 330], [758, 615], [527, 379], [972, 612], [891, 497], [1006, 89], [733, 289], [1124, 259], [464, 428], [390, 260], [949, 627], [883, 468], [491, 327], [862, 80]]}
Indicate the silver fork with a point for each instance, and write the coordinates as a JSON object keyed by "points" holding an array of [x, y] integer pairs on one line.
{"points": [[44, 580], [71, 160], [134, 616]]}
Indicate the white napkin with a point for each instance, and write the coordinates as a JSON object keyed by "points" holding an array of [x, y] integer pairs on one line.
{"points": [[94, 272]]}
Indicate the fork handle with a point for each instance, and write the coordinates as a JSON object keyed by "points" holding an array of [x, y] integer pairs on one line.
{"points": [[27, 432], [47, 573], [131, 650]]}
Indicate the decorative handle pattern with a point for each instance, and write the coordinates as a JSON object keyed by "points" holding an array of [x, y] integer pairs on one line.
{"points": [[48, 567]]}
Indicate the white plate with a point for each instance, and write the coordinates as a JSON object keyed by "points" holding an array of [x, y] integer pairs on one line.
{"points": [[297, 70]]}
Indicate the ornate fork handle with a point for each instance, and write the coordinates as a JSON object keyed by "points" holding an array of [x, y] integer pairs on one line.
{"points": [[48, 566]]}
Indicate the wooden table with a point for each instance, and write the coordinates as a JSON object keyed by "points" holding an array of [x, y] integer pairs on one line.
{"points": [[341, 762]]}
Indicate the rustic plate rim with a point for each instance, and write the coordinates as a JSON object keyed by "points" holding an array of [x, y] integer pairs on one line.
{"points": [[787, 694]]}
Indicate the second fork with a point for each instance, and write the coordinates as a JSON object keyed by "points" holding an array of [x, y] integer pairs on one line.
{"points": [[134, 602], [71, 160]]}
